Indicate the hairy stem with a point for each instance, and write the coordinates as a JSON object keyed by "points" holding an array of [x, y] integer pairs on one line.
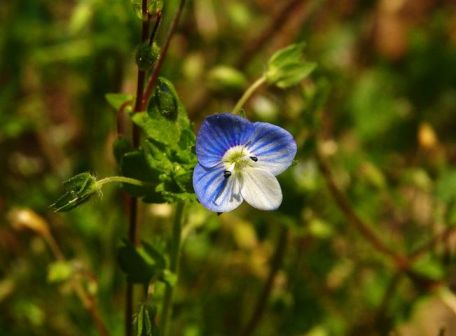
{"points": [[153, 78], [173, 267], [133, 201], [247, 94], [122, 179], [266, 291]]}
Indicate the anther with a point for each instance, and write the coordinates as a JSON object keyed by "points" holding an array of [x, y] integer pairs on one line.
{"points": [[226, 173], [254, 158]]}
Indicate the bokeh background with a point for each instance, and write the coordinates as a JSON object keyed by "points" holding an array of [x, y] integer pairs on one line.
{"points": [[380, 109]]}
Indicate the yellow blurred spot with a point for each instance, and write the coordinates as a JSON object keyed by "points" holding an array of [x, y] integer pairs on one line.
{"points": [[426, 136], [27, 219]]}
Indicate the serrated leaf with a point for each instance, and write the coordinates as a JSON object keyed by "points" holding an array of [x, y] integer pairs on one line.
{"points": [[157, 156], [159, 123], [287, 67], [135, 165]]}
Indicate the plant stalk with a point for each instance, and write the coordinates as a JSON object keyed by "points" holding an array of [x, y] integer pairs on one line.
{"points": [[248, 93], [153, 78], [173, 267], [133, 201]]}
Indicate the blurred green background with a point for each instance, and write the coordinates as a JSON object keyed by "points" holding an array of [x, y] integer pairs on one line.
{"points": [[382, 102]]}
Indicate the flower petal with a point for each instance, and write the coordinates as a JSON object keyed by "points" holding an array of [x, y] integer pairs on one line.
{"points": [[273, 146], [214, 191], [217, 134], [260, 189]]}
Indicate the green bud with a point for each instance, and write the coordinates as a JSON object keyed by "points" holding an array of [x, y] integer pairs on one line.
{"points": [[153, 7], [287, 67], [146, 56], [223, 77], [78, 189], [165, 100]]}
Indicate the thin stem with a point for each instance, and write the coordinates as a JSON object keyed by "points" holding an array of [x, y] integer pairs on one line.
{"points": [[280, 18], [173, 267], [266, 291], [155, 29], [88, 301], [133, 201], [122, 179], [362, 227], [153, 78], [447, 297], [432, 242], [248, 93]]}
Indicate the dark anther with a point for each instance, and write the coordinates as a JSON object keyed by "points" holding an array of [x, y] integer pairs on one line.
{"points": [[226, 173], [254, 158]]}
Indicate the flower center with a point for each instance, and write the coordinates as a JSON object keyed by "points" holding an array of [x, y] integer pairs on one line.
{"points": [[237, 158]]}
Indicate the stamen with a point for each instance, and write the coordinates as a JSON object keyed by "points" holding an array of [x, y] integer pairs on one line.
{"points": [[226, 173], [254, 158]]}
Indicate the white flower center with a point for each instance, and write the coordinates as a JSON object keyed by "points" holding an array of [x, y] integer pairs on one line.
{"points": [[237, 158]]}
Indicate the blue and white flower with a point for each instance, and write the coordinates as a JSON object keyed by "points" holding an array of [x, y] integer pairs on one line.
{"points": [[238, 160]]}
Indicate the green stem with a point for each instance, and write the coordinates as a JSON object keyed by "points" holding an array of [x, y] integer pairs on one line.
{"points": [[122, 179], [173, 267], [247, 94]]}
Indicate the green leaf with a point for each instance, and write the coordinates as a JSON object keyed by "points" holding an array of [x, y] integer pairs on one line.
{"points": [[140, 265], [145, 321], [78, 189], [154, 254], [135, 165], [121, 147], [166, 116], [166, 100], [287, 67], [157, 156], [59, 271], [153, 7], [168, 277], [117, 100], [224, 77]]}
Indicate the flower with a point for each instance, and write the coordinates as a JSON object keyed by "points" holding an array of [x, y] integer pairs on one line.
{"points": [[238, 160]]}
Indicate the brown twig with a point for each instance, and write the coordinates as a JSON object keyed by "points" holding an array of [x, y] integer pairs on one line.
{"points": [[274, 26], [133, 201], [86, 298], [156, 71], [388, 294], [252, 47], [260, 305], [359, 224], [426, 247]]}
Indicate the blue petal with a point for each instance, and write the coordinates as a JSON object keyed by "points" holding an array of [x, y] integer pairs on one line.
{"points": [[273, 146], [217, 134], [214, 191]]}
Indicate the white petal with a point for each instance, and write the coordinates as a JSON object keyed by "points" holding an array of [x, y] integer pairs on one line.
{"points": [[260, 189]]}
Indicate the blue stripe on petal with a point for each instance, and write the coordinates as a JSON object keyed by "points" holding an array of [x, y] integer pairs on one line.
{"points": [[217, 134], [215, 191], [273, 146]]}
